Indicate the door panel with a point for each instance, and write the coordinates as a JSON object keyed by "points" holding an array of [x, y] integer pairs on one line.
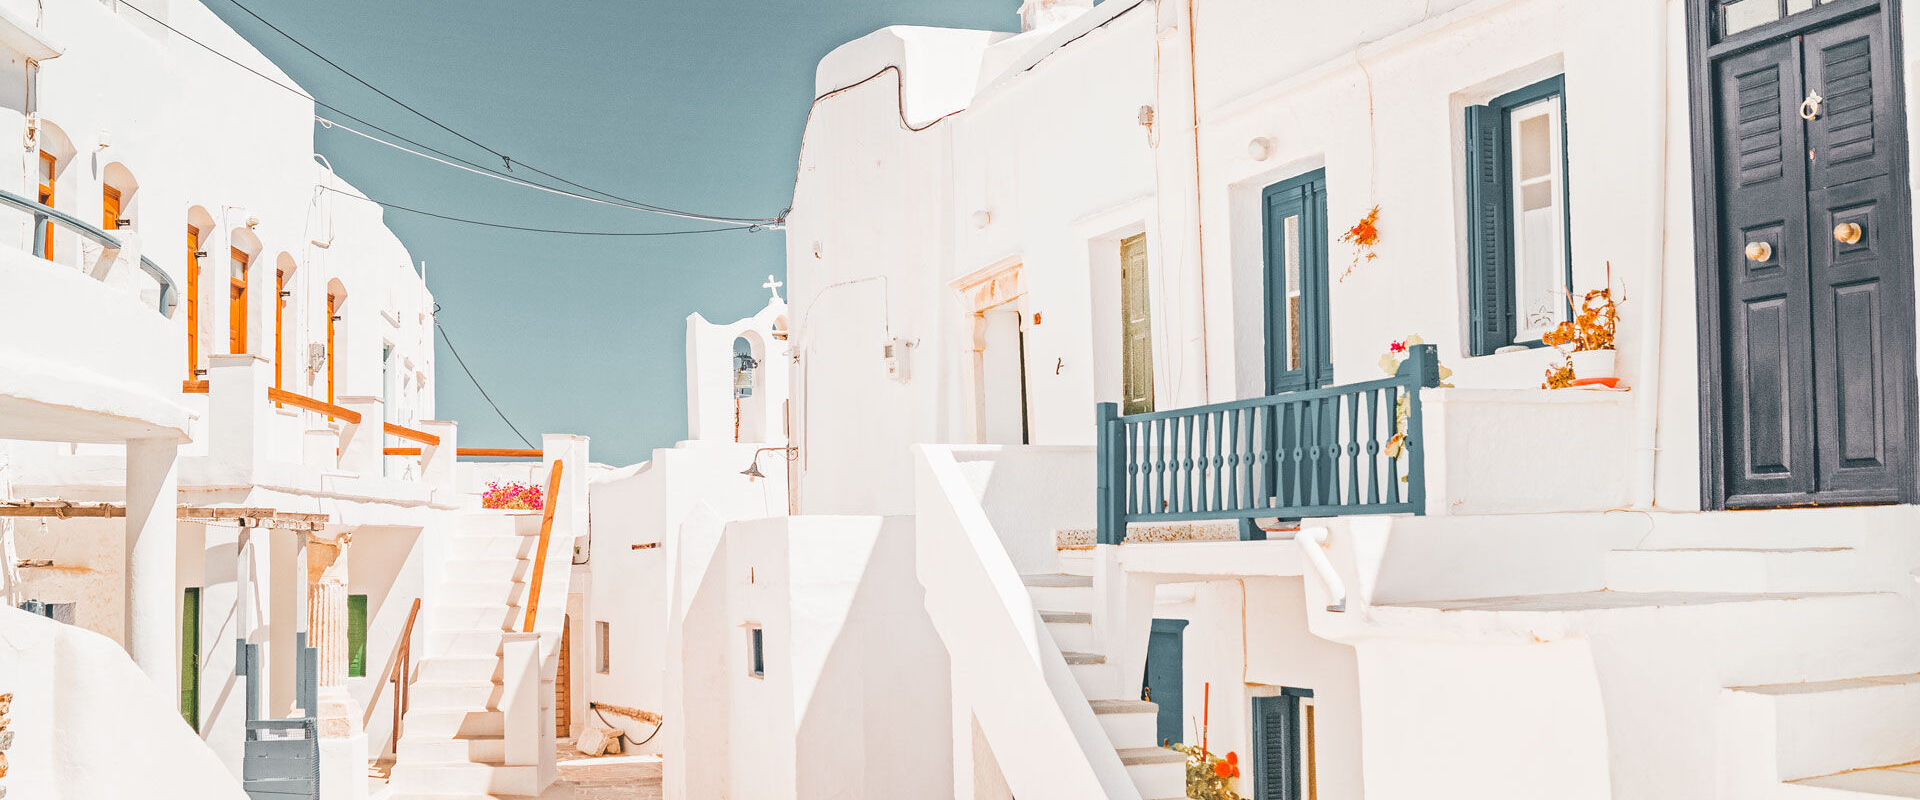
{"points": [[1298, 352], [1136, 327]]}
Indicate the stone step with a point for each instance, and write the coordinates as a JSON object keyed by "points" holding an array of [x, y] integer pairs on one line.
{"points": [[481, 593], [1156, 771], [1128, 723], [454, 694], [1822, 728], [465, 778], [1072, 630], [465, 644], [1077, 561], [490, 546], [487, 616], [1091, 672], [1755, 570], [1061, 592], [477, 749], [457, 668], [498, 568], [433, 723]]}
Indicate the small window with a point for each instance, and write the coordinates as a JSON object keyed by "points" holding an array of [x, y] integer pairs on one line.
{"points": [[756, 652], [1519, 256], [356, 636], [1285, 765], [604, 660]]}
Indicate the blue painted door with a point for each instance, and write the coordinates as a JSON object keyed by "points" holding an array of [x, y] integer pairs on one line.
{"points": [[1165, 678], [1298, 356]]}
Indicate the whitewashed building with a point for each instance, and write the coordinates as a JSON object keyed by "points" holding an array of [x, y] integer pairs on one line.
{"points": [[1697, 584], [218, 450]]}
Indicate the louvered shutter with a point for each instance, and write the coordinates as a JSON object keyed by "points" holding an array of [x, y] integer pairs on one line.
{"points": [[356, 635], [1489, 271], [1276, 748], [1136, 327]]}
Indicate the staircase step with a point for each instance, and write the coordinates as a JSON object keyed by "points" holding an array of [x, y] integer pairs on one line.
{"points": [[449, 724], [454, 694], [477, 749], [1901, 780], [481, 593], [1757, 570], [477, 617], [490, 569], [1129, 723], [457, 668], [468, 643], [511, 546], [1826, 727], [1156, 771], [1073, 593], [1077, 561], [1072, 630], [465, 778]]}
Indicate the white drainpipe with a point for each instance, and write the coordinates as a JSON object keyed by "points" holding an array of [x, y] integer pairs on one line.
{"points": [[1647, 401]]}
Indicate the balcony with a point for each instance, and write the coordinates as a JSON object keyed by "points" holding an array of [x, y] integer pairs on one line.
{"points": [[87, 344], [1398, 446]]}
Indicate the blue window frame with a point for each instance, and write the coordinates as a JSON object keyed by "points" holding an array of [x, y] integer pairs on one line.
{"points": [[1299, 355], [1520, 257], [1283, 758], [756, 652]]}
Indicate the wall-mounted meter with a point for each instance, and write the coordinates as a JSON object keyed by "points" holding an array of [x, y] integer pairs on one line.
{"points": [[894, 353]]}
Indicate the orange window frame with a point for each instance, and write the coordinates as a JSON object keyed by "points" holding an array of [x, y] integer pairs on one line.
{"points": [[279, 325], [109, 208], [48, 165], [237, 313], [333, 316], [193, 303]]}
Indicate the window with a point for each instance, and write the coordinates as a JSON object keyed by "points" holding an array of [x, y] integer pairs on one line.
{"points": [[604, 657], [1285, 766], [237, 311], [194, 255], [1742, 15], [109, 208], [756, 652], [49, 166], [1519, 258], [356, 636]]}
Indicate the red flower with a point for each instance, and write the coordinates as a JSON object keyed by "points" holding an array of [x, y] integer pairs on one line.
{"points": [[1398, 347], [1228, 767]]}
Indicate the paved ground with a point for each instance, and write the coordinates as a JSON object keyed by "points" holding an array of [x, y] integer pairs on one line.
{"points": [[604, 778]]}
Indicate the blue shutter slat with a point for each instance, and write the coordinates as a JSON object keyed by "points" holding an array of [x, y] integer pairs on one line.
{"points": [[1276, 748], [1490, 291]]}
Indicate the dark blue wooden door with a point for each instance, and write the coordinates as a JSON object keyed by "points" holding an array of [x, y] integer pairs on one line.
{"points": [[1165, 676], [1298, 356]]}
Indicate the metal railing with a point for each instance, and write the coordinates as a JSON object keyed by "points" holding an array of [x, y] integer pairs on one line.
{"points": [[43, 214], [1354, 449]]}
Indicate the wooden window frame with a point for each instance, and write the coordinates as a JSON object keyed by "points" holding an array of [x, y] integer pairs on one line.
{"points": [[1491, 260], [237, 305], [193, 303], [110, 207], [46, 196]]}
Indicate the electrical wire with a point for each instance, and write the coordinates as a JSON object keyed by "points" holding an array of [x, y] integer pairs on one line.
{"points": [[476, 381], [443, 156], [561, 231], [506, 160]]}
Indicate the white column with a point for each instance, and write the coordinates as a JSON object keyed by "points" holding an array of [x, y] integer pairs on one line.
{"points": [[363, 446], [241, 420], [439, 467], [152, 538]]}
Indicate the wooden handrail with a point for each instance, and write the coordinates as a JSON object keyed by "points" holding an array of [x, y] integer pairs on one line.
{"points": [[341, 413], [498, 452], [196, 387], [548, 502], [405, 432], [403, 664], [402, 451]]}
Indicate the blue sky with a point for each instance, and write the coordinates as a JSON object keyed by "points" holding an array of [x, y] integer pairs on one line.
{"points": [[694, 104]]}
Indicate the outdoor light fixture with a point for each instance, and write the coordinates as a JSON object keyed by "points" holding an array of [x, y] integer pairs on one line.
{"points": [[1260, 149], [753, 467]]}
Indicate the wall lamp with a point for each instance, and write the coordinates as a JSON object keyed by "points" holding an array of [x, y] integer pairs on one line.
{"points": [[753, 467]]}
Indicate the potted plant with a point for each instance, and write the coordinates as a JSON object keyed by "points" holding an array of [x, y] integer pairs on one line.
{"points": [[1586, 341]]}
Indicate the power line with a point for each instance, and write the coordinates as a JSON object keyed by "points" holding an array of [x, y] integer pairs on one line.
{"points": [[446, 158], [506, 160], [476, 381], [504, 226]]}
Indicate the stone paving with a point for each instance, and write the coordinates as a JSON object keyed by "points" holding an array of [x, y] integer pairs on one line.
{"points": [[604, 778]]}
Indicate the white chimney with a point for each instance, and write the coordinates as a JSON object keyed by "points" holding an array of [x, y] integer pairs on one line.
{"points": [[1036, 14]]}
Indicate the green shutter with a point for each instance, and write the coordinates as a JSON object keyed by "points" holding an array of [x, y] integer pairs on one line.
{"points": [[1135, 327], [190, 657], [1489, 289], [1276, 748], [356, 636]]}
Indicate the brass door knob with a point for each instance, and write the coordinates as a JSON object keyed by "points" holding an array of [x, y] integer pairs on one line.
{"points": [[1759, 251], [1847, 233]]}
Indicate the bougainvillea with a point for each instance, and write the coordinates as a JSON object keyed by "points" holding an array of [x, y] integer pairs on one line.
{"points": [[1364, 236], [512, 495]]}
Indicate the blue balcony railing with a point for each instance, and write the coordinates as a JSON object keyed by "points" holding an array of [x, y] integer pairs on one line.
{"points": [[43, 214], [1355, 449]]}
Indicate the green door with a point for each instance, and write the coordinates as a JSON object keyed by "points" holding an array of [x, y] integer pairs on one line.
{"points": [[190, 657], [1165, 681], [1136, 329]]}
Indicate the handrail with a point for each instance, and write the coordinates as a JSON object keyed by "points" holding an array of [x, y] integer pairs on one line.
{"points": [[498, 452], [1289, 455], [42, 213], [548, 502], [401, 451], [403, 665], [279, 395], [405, 432], [196, 387], [1313, 543]]}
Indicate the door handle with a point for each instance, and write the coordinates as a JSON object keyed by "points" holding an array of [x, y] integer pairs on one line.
{"points": [[1759, 251], [1810, 107], [1847, 233]]}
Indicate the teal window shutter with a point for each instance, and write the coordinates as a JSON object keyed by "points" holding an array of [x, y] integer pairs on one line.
{"points": [[1276, 748], [356, 636], [1489, 267]]}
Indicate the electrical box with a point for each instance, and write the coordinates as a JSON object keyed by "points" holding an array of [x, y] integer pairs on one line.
{"points": [[894, 354], [316, 356]]}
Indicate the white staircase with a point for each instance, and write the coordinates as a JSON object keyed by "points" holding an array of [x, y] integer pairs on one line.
{"points": [[1065, 604], [453, 742]]}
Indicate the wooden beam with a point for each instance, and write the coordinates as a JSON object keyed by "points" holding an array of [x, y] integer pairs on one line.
{"points": [[402, 451], [548, 502], [59, 509], [498, 452], [405, 432]]}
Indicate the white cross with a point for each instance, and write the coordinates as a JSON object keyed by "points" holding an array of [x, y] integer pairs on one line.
{"points": [[772, 286]]}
